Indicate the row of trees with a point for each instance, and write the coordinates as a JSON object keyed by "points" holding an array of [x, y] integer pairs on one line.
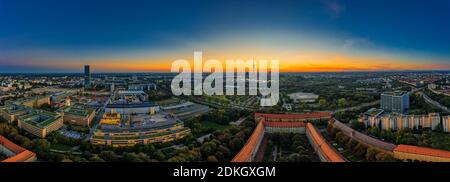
{"points": [[40, 146], [358, 149], [421, 137], [297, 145], [222, 145], [219, 116]]}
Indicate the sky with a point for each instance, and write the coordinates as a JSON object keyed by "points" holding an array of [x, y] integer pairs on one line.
{"points": [[147, 36]]}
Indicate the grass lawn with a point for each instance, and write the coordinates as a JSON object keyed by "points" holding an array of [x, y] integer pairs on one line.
{"points": [[61, 147]]}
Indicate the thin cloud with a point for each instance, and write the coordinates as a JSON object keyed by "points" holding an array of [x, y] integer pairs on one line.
{"points": [[357, 42], [334, 8]]}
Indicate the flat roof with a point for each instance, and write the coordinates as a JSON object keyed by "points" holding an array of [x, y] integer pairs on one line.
{"points": [[85, 112], [132, 105], [12, 108], [39, 118], [395, 93]]}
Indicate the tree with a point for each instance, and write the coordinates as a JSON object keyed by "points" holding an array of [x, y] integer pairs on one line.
{"points": [[96, 159], [375, 131], [108, 156], [351, 144], [225, 151], [360, 150], [322, 103], [341, 138], [130, 157], [342, 102], [208, 148], [212, 158], [358, 125], [159, 156], [382, 157], [371, 154], [331, 130]]}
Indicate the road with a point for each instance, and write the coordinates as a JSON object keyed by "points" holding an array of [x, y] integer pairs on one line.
{"points": [[434, 103], [98, 116]]}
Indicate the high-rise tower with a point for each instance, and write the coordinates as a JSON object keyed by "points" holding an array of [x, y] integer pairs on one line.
{"points": [[87, 76]]}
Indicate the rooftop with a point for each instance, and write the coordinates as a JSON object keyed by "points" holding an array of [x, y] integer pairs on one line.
{"points": [[313, 115], [395, 93], [13, 109], [39, 118], [422, 151], [21, 154], [78, 111]]}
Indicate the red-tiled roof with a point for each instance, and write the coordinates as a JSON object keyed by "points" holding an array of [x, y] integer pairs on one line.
{"points": [[326, 149], [21, 157], [284, 124], [10, 145], [313, 115], [246, 151], [21, 153], [422, 151]]}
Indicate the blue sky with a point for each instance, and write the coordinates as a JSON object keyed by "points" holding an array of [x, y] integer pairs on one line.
{"points": [[40, 35]]}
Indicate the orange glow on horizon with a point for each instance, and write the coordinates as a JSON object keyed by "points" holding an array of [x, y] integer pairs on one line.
{"points": [[313, 62]]}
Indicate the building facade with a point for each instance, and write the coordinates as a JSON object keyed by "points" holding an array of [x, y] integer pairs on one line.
{"points": [[122, 138], [87, 76], [40, 123], [446, 124], [395, 101], [395, 121], [78, 116], [15, 153]]}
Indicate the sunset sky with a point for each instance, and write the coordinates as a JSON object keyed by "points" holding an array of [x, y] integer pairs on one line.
{"points": [[141, 36]]}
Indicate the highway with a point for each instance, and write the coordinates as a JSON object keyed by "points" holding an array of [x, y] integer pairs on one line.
{"points": [[434, 103]]}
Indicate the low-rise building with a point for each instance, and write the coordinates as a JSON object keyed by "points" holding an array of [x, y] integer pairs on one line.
{"points": [[15, 153], [40, 123], [77, 115], [110, 119], [11, 112], [396, 121], [37, 101], [416, 153], [140, 129]]}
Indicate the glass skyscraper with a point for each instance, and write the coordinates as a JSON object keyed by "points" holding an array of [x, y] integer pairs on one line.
{"points": [[87, 76]]}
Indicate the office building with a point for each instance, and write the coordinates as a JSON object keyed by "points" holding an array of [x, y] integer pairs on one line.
{"points": [[395, 101], [40, 123], [87, 76], [77, 115], [117, 131]]}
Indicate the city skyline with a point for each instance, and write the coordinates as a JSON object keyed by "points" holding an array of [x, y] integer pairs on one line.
{"points": [[306, 36]]}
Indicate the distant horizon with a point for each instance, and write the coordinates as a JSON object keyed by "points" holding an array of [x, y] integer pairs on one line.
{"points": [[155, 72]]}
